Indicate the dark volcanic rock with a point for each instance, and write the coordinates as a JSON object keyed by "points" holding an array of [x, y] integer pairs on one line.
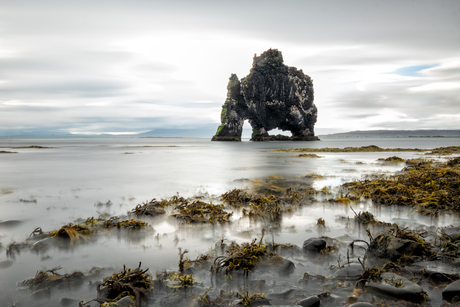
{"points": [[396, 286], [312, 301], [452, 290], [273, 95], [391, 248], [313, 246]]}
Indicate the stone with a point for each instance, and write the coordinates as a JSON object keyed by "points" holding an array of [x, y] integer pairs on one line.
{"points": [[391, 248], [273, 95], [452, 232], [452, 290], [286, 268], [350, 271], [5, 264], [312, 301], [314, 245], [362, 304], [125, 302], [399, 287], [259, 301], [282, 295], [103, 292]]}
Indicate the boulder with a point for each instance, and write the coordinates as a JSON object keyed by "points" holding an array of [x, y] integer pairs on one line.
{"points": [[452, 290], [391, 248], [312, 301], [397, 287], [314, 246]]}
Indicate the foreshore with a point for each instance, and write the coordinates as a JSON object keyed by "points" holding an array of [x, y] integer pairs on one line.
{"points": [[375, 262]]}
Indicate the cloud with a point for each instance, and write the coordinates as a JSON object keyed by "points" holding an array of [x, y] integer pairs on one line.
{"points": [[94, 66]]}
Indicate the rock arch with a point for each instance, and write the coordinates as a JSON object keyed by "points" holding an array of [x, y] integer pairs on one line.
{"points": [[272, 95]]}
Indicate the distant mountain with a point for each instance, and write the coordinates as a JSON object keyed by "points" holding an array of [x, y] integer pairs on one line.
{"points": [[393, 133], [201, 132]]}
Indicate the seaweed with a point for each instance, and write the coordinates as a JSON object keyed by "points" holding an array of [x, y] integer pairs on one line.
{"points": [[307, 156], [152, 208], [242, 257], [199, 211], [370, 148], [430, 187], [449, 150], [129, 282], [236, 198], [393, 159], [75, 233], [176, 280], [50, 278]]}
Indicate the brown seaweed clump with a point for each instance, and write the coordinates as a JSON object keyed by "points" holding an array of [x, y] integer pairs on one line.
{"points": [[242, 257], [308, 156], [393, 159], [370, 148], [449, 150], [430, 187], [50, 278], [75, 233], [129, 282], [154, 207], [199, 211]]}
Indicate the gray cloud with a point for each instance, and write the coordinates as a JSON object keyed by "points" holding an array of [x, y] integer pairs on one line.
{"points": [[112, 64]]}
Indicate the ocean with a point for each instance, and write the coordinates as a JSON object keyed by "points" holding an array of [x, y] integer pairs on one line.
{"points": [[79, 178]]}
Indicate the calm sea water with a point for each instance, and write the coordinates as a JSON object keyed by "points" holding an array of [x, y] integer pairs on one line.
{"points": [[48, 188]]}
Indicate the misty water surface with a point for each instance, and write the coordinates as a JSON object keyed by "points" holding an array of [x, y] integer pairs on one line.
{"points": [[49, 188]]}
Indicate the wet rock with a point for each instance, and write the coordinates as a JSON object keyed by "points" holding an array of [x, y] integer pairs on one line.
{"points": [[6, 264], [283, 295], [10, 223], [259, 301], [396, 286], [362, 304], [103, 292], [286, 268], [65, 301], [125, 302], [273, 95], [312, 301], [256, 285], [314, 246], [451, 291], [452, 232], [439, 277], [41, 245], [391, 248], [350, 271]]}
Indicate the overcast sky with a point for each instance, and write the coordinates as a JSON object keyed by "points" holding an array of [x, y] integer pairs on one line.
{"points": [[136, 65]]}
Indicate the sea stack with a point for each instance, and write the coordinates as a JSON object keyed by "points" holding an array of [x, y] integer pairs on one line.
{"points": [[272, 95]]}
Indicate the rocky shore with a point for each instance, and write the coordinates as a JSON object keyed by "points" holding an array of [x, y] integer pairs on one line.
{"points": [[375, 263]]}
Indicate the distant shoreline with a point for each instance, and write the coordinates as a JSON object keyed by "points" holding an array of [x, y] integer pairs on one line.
{"points": [[395, 134]]}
